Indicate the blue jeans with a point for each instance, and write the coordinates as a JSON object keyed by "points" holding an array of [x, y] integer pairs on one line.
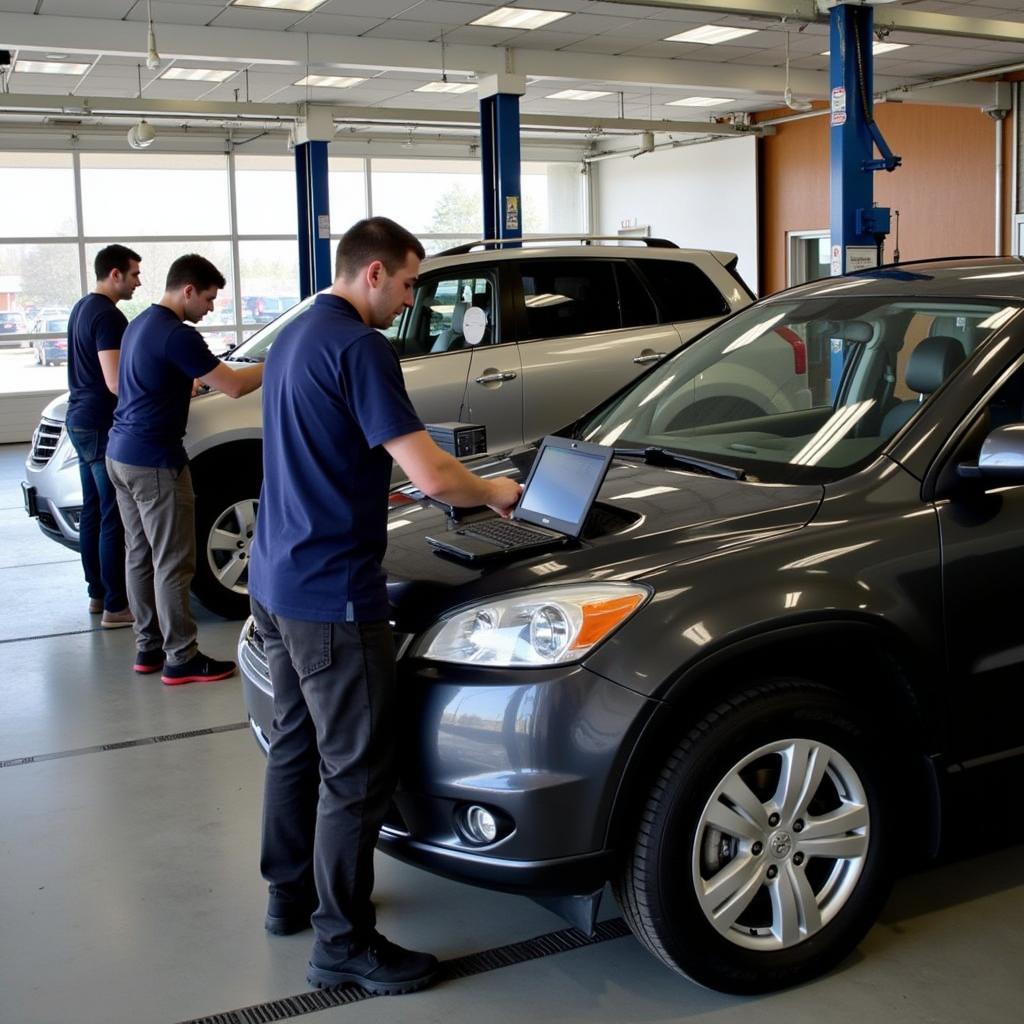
{"points": [[100, 533]]}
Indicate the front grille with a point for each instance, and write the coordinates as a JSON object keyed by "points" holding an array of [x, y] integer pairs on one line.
{"points": [[47, 522], [45, 441], [73, 516]]}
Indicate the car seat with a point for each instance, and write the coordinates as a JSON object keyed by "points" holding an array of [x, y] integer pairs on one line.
{"points": [[931, 363], [452, 337]]}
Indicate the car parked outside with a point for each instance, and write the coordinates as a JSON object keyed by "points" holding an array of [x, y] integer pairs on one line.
{"points": [[520, 340], [12, 322], [747, 695], [50, 350]]}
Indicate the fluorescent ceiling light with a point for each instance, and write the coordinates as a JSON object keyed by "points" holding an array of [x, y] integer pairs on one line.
{"points": [[577, 94], [44, 67], [446, 87], [699, 101], [199, 74], [878, 48], [519, 17], [710, 35], [280, 5], [329, 81]]}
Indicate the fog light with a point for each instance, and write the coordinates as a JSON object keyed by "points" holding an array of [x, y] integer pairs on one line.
{"points": [[480, 825]]}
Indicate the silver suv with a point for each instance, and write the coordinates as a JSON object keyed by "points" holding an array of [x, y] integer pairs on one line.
{"points": [[521, 339]]}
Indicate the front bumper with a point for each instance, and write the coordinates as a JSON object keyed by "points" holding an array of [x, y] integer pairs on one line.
{"points": [[52, 478], [544, 750]]}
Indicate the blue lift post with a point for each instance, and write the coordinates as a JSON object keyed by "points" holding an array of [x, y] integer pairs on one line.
{"points": [[858, 227], [314, 216], [499, 155]]}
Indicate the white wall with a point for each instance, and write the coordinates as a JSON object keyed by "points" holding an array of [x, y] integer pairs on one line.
{"points": [[700, 197]]}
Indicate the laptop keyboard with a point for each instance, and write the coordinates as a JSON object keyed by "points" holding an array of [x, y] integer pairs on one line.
{"points": [[502, 532]]}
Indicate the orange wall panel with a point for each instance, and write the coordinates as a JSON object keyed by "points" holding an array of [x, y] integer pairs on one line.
{"points": [[945, 189]]}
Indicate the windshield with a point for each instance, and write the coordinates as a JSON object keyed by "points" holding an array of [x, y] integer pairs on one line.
{"points": [[798, 391], [255, 348]]}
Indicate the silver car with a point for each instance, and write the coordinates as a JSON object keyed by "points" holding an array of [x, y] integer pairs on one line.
{"points": [[521, 340]]}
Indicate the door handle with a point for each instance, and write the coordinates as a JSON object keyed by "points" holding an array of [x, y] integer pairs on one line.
{"points": [[648, 357], [496, 377]]}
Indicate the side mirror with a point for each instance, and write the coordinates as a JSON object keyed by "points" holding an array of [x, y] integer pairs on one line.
{"points": [[1001, 459]]}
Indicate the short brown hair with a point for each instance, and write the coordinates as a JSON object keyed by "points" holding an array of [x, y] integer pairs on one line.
{"points": [[376, 238], [195, 270]]}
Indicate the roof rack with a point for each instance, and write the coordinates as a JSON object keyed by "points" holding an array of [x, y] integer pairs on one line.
{"points": [[459, 250]]}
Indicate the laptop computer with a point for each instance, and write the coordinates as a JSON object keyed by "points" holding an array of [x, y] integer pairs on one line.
{"points": [[559, 492]]}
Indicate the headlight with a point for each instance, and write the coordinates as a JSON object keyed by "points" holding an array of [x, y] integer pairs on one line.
{"points": [[546, 626]]}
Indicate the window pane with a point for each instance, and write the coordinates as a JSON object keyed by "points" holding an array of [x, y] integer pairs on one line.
{"points": [[154, 194], [346, 187], [568, 297], [429, 196], [37, 195], [636, 305], [553, 198], [270, 279], [437, 320], [265, 195], [683, 291], [38, 286], [157, 258]]}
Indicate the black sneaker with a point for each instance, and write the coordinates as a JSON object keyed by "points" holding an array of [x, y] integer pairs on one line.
{"points": [[147, 662], [382, 968], [200, 668], [289, 917]]}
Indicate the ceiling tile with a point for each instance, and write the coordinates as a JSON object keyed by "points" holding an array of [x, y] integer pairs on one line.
{"points": [[601, 44], [254, 17], [481, 35], [444, 13], [18, 6], [170, 13], [414, 31], [379, 9], [337, 25]]}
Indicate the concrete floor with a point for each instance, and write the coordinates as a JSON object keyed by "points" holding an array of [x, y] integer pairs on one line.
{"points": [[130, 890]]}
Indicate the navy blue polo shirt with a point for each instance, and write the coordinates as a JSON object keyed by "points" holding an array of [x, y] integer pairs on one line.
{"points": [[95, 325], [160, 358], [333, 393]]}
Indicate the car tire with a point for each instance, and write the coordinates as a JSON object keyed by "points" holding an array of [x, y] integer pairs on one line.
{"points": [[225, 523], [723, 892]]}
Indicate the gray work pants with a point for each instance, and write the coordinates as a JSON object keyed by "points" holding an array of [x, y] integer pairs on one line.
{"points": [[331, 770], [157, 509]]}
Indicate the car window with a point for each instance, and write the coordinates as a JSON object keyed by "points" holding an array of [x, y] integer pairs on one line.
{"points": [[682, 290], [636, 306], [566, 297], [757, 391], [448, 314]]}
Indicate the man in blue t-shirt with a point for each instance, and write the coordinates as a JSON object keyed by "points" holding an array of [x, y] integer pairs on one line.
{"points": [[95, 328], [335, 414], [161, 358]]}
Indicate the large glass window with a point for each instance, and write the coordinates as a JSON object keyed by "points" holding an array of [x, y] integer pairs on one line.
{"points": [[166, 204]]}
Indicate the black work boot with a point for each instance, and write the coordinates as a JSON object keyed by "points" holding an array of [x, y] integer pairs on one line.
{"points": [[381, 968]]}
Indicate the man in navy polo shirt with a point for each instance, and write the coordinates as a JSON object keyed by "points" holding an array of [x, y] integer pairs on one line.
{"points": [[161, 357], [335, 414], [95, 328]]}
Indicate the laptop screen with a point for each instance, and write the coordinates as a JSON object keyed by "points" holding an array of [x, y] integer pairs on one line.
{"points": [[562, 484]]}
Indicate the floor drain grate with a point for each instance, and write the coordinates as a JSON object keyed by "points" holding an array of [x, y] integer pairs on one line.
{"points": [[462, 967]]}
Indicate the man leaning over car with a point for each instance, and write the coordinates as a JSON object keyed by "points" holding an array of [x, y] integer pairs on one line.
{"points": [[160, 359], [335, 414]]}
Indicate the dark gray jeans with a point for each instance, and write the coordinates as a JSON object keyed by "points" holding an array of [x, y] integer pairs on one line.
{"points": [[331, 770], [158, 511]]}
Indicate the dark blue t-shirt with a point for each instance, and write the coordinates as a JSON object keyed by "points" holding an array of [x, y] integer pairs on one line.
{"points": [[333, 393], [160, 358], [95, 325]]}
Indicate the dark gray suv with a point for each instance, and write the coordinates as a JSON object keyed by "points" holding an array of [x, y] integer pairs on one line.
{"points": [[744, 696]]}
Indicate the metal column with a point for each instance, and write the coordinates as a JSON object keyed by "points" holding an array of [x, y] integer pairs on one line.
{"points": [[499, 152], [315, 271], [858, 227]]}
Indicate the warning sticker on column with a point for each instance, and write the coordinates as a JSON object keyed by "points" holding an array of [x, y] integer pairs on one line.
{"points": [[837, 261], [838, 106], [511, 213]]}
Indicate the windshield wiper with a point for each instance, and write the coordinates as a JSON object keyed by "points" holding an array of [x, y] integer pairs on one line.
{"points": [[666, 457]]}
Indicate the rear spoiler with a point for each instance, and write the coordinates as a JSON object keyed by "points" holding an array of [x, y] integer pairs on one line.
{"points": [[729, 261]]}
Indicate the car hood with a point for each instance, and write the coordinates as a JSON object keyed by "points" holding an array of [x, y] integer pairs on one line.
{"points": [[57, 409], [645, 518]]}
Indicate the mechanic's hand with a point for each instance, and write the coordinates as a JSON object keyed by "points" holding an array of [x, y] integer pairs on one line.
{"points": [[198, 387], [504, 495]]}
